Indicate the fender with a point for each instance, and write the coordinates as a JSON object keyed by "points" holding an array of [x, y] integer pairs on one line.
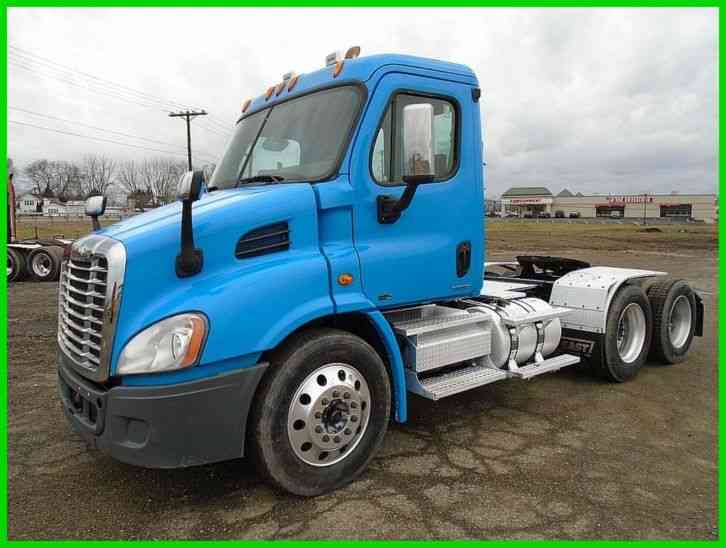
{"points": [[396, 361], [589, 292]]}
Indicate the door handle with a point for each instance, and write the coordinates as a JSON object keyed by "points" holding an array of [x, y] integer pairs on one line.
{"points": [[463, 258]]}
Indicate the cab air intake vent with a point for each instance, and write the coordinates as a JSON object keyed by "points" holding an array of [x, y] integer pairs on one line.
{"points": [[262, 241]]}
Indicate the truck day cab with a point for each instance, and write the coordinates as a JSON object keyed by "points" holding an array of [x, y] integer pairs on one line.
{"points": [[333, 263]]}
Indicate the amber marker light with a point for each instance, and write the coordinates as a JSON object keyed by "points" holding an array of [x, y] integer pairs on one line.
{"points": [[269, 92], [246, 105], [345, 279], [338, 69], [292, 83], [280, 88], [199, 330]]}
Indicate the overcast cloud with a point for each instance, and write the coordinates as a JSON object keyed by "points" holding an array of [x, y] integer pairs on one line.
{"points": [[610, 100]]}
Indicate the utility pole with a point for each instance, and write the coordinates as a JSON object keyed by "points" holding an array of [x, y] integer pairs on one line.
{"points": [[188, 115]]}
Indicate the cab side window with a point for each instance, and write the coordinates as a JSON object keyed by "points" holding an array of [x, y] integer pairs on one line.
{"points": [[387, 162]]}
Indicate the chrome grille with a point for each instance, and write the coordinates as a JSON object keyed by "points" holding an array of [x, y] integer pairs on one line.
{"points": [[89, 293]]}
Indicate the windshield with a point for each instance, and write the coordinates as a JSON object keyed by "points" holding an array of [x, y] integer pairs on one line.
{"points": [[300, 139]]}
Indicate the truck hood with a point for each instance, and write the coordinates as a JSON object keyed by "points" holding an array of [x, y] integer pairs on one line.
{"points": [[152, 290], [207, 205]]}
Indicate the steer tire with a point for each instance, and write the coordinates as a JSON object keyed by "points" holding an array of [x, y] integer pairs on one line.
{"points": [[674, 320], [622, 364], [294, 376], [16, 265], [44, 263]]}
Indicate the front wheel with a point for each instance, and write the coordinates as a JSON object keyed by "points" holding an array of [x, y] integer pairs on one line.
{"points": [[321, 412]]}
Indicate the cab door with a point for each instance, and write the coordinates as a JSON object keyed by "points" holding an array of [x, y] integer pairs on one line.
{"points": [[433, 250]]}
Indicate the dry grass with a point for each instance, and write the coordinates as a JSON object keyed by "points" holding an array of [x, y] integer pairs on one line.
{"points": [[558, 237]]}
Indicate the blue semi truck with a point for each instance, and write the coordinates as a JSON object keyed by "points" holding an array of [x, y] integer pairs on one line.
{"points": [[332, 264]]}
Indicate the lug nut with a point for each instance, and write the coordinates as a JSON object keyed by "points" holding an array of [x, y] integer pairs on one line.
{"points": [[325, 401], [346, 396], [336, 394], [326, 438], [353, 405], [354, 419], [319, 429], [346, 431], [318, 415], [336, 439]]}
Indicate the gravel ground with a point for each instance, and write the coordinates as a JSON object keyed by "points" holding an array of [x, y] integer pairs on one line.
{"points": [[561, 456]]}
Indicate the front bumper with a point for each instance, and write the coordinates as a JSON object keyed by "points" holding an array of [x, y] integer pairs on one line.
{"points": [[162, 426]]}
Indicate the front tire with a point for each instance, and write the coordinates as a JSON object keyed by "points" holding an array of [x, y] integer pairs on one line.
{"points": [[321, 411], [628, 332], [674, 319]]}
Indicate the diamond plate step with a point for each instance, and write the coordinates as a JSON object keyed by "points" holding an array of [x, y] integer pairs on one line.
{"points": [[546, 366], [453, 382]]}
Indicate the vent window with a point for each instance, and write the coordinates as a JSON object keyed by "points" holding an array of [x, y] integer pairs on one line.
{"points": [[262, 241]]}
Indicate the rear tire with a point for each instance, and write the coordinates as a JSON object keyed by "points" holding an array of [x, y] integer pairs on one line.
{"points": [[674, 320], [321, 412], [627, 334], [44, 263], [16, 268]]}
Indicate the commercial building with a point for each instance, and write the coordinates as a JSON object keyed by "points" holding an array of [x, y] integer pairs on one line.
{"points": [[536, 200]]}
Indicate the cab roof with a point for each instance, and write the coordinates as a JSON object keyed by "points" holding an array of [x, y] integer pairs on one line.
{"points": [[362, 69]]}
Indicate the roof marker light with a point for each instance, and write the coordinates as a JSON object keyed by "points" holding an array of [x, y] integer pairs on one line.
{"points": [[338, 69], [246, 105], [269, 92], [333, 58], [280, 87], [352, 52], [293, 82]]}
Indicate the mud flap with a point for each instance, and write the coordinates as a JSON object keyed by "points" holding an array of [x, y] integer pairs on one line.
{"points": [[589, 346]]}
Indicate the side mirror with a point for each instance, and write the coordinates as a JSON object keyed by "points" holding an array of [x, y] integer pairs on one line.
{"points": [[95, 207], [190, 185], [418, 156], [190, 260]]}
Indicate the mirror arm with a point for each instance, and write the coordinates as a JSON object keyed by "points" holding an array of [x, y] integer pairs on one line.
{"points": [[189, 262], [95, 223], [390, 209]]}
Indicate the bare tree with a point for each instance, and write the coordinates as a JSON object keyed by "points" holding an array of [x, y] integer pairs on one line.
{"points": [[69, 181], [40, 173], [159, 177], [98, 174], [128, 177]]}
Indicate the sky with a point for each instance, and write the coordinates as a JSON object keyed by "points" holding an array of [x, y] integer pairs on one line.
{"points": [[595, 101]]}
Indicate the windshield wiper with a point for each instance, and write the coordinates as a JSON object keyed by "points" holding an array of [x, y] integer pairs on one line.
{"points": [[261, 179]]}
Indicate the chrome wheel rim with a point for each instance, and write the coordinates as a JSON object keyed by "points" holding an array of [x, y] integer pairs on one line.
{"points": [[11, 264], [631, 332], [42, 265], [328, 414], [679, 322]]}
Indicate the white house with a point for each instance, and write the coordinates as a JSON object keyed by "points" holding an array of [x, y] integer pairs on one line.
{"points": [[28, 204], [53, 208]]}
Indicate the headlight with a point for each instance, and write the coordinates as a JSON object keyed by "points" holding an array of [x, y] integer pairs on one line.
{"points": [[168, 345]]}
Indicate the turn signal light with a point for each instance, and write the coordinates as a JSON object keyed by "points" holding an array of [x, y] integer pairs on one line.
{"points": [[345, 279]]}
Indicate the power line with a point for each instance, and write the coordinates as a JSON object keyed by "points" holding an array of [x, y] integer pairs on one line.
{"points": [[94, 127], [25, 59], [188, 115], [93, 138]]}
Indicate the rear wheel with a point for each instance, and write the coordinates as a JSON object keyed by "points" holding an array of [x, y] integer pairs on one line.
{"points": [[627, 334], [321, 412], [44, 263], [16, 265], [674, 319]]}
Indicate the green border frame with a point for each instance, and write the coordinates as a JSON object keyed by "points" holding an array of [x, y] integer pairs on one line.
{"points": [[721, 284]]}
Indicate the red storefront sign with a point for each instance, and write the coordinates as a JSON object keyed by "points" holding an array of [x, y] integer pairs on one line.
{"points": [[635, 199]]}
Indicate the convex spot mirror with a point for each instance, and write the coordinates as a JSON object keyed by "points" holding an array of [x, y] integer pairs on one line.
{"points": [[190, 185], [418, 141], [95, 206]]}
